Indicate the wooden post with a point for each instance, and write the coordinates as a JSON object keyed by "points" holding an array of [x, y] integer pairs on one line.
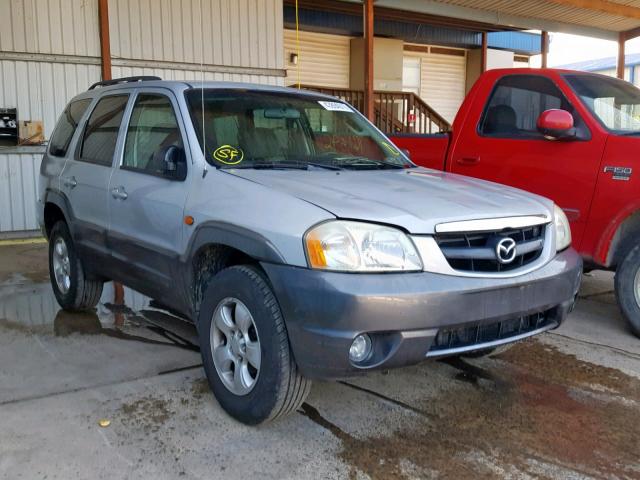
{"points": [[105, 45], [368, 60], [622, 39], [483, 55], [544, 48]]}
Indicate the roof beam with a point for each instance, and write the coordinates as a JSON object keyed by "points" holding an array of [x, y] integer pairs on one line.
{"points": [[603, 6], [433, 7]]}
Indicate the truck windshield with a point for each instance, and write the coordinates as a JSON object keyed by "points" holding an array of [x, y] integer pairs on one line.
{"points": [[614, 102], [253, 129]]}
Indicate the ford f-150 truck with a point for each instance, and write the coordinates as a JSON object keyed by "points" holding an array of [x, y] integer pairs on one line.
{"points": [[571, 136]]}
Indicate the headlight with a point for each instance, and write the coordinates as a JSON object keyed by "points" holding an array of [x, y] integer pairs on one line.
{"points": [[563, 229], [360, 247]]}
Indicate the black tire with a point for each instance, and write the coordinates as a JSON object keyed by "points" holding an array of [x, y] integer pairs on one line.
{"points": [[82, 293], [625, 286], [279, 388]]}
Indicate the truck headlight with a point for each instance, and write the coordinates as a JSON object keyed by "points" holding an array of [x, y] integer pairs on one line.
{"points": [[360, 247], [563, 229]]}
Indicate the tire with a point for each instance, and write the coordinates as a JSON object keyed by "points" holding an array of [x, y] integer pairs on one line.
{"points": [[262, 394], [627, 286], [72, 289]]}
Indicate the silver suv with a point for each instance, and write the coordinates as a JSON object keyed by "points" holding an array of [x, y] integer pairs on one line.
{"points": [[298, 238]]}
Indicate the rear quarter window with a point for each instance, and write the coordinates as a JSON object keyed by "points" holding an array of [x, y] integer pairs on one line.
{"points": [[66, 127]]}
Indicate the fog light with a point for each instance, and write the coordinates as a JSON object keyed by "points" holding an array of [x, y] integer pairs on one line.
{"points": [[360, 348]]}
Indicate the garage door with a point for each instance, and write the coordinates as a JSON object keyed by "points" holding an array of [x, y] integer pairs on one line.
{"points": [[323, 60], [442, 77]]}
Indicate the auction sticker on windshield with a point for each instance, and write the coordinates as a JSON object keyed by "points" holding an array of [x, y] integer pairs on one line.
{"points": [[228, 155], [335, 106]]}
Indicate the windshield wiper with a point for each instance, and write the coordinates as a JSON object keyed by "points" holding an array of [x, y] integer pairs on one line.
{"points": [[271, 166]]}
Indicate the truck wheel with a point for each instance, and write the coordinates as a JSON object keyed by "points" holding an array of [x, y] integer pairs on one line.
{"points": [[627, 285], [70, 286], [245, 348]]}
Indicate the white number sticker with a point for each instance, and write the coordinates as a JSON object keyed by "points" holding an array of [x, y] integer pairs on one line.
{"points": [[335, 106]]}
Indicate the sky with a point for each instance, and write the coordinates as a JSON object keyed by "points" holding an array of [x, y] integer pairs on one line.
{"points": [[565, 48]]}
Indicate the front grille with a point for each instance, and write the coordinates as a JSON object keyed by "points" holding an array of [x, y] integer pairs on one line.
{"points": [[479, 333], [476, 251]]}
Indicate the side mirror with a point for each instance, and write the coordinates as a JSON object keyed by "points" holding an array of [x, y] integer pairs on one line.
{"points": [[174, 164], [406, 152], [556, 124]]}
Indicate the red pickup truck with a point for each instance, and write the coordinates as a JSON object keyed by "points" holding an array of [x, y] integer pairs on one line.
{"points": [[573, 137]]}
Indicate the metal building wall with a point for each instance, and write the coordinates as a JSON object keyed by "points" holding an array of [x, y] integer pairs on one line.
{"points": [[174, 39], [323, 61], [50, 51]]}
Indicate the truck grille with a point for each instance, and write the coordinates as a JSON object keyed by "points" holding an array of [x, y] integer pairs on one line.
{"points": [[476, 251], [481, 333]]}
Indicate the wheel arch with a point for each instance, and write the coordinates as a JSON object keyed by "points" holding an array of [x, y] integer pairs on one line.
{"points": [[56, 207], [216, 246], [626, 235]]}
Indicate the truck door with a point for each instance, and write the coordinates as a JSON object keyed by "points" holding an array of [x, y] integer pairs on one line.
{"points": [[503, 145], [86, 174], [146, 200]]}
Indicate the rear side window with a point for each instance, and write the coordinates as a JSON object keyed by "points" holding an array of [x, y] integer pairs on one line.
{"points": [[61, 138], [101, 132], [516, 103], [153, 126]]}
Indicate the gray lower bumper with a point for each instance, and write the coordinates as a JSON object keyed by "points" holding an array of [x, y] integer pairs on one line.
{"points": [[324, 311]]}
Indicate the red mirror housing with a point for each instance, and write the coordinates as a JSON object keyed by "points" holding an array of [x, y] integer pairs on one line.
{"points": [[556, 124]]}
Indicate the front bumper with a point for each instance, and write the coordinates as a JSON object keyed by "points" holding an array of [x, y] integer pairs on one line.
{"points": [[403, 312]]}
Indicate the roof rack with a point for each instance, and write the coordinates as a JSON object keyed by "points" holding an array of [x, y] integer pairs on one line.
{"points": [[116, 81]]}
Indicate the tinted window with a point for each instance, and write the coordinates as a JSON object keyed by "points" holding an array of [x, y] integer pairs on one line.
{"points": [[67, 126], [516, 103], [101, 133], [153, 126]]}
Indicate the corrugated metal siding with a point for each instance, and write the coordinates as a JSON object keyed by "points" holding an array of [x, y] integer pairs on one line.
{"points": [[225, 32], [173, 74], [551, 11], [41, 90], [18, 188], [323, 61], [67, 27], [442, 81]]}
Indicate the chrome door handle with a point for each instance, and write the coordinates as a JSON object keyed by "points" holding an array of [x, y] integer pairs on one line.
{"points": [[119, 193], [70, 182]]}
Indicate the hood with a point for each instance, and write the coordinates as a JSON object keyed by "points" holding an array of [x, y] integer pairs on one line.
{"points": [[416, 199]]}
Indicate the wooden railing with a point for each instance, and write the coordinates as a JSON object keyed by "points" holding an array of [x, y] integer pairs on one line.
{"points": [[395, 112]]}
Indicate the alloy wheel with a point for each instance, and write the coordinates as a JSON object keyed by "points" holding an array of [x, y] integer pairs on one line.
{"points": [[61, 265], [235, 346]]}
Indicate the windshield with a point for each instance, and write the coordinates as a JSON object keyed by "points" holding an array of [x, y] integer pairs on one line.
{"points": [[614, 102], [250, 129]]}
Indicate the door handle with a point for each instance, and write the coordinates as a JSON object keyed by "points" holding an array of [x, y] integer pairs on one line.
{"points": [[119, 194], [70, 182], [468, 160]]}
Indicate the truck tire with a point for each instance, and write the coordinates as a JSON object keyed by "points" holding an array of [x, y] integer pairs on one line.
{"points": [[627, 286], [245, 348], [70, 286]]}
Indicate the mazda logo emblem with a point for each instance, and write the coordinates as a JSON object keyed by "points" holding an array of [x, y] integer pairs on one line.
{"points": [[506, 250]]}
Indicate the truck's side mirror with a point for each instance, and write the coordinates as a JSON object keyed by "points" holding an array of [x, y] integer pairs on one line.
{"points": [[556, 124], [174, 165]]}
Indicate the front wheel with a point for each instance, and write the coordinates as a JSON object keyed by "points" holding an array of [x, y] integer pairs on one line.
{"points": [[245, 348], [70, 286], [627, 285]]}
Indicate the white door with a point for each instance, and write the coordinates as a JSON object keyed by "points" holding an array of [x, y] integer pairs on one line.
{"points": [[411, 75]]}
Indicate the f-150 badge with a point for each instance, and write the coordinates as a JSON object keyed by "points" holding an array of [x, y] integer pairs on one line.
{"points": [[619, 173]]}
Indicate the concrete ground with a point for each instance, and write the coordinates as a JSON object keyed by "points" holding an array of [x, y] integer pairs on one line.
{"points": [[563, 405]]}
